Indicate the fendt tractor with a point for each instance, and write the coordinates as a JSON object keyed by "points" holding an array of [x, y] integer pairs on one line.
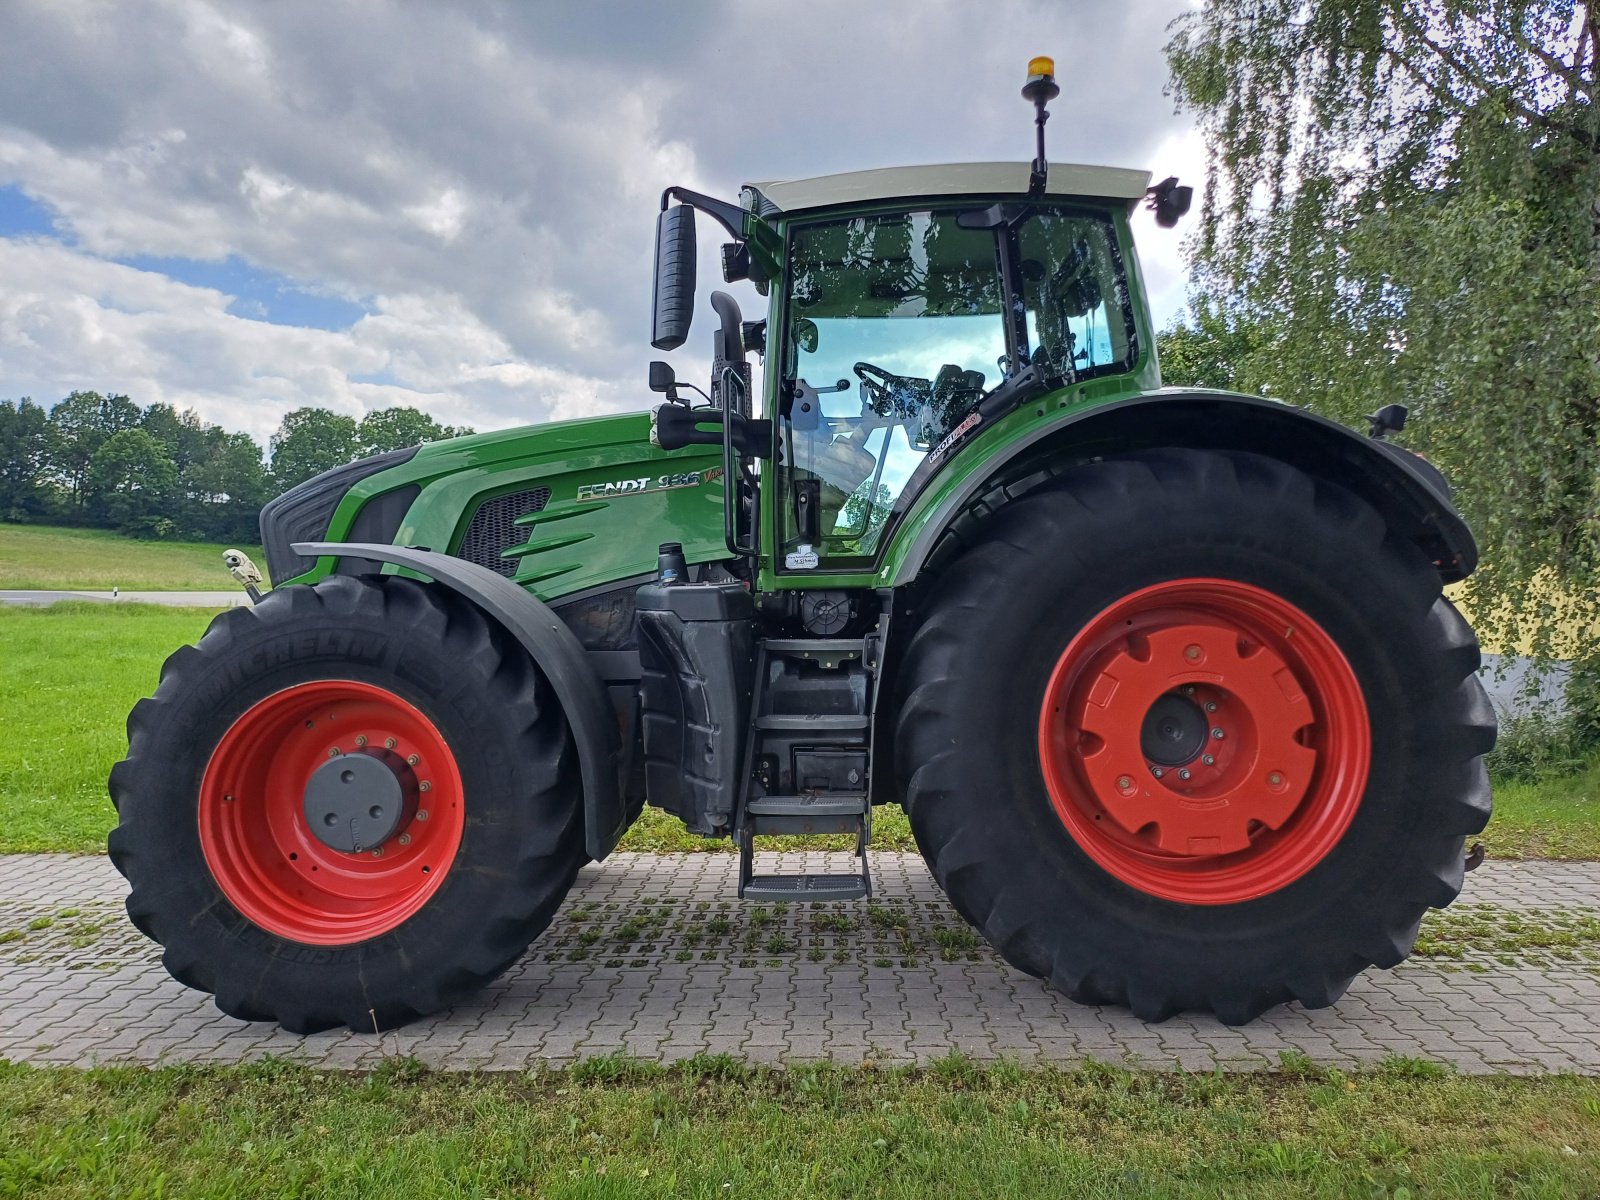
{"points": [[1164, 678]]}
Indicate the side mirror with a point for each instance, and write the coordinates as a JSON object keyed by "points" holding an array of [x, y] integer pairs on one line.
{"points": [[663, 379], [674, 277], [1391, 418], [1169, 201]]}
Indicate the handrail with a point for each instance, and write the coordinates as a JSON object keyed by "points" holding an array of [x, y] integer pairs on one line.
{"points": [[733, 470]]}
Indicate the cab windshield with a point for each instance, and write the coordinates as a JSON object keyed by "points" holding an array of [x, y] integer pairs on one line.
{"points": [[895, 334]]}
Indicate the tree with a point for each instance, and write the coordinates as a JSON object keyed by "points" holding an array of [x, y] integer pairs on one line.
{"points": [[130, 480], [1403, 192], [24, 459], [225, 488], [310, 441], [80, 425], [183, 435], [1211, 353], [399, 427]]}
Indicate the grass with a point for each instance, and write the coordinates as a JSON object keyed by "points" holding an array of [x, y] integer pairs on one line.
{"points": [[662, 833], [72, 672], [1556, 817], [47, 558], [714, 1128], [1481, 934]]}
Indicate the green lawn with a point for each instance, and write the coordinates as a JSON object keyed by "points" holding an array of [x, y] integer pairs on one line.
{"points": [[72, 671], [46, 558], [710, 1128], [1551, 818]]}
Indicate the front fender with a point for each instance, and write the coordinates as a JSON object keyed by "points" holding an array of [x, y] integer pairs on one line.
{"points": [[552, 646], [1410, 493]]}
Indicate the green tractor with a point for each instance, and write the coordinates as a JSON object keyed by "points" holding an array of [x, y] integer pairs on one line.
{"points": [[1164, 678]]}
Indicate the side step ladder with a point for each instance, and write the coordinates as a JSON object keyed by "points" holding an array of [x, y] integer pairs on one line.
{"points": [[813, 813]]}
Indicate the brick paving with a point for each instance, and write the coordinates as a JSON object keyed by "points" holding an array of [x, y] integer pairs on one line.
{"points": [[653, 956]]}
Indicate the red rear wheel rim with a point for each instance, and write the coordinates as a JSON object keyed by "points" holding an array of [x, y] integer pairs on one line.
{"points": [[260, 848], [1163, 803]]}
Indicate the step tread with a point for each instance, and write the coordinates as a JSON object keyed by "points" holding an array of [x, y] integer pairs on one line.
{"points": [[813, 721], [830, 645], [806, 887], [824, 804]]}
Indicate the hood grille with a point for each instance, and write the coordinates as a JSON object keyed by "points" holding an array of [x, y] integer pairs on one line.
{"points": [[493, 529]]}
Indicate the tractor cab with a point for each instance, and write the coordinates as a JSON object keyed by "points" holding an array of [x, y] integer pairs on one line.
{"points": [[902, 331], [911, 310]]}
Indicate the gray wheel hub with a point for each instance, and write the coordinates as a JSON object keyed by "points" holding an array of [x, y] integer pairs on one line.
{"points": [[357, 801], [1174, 731]]}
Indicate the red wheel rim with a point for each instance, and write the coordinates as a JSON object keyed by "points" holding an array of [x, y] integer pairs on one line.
{"points": [[260, 848], [1216, 820]]}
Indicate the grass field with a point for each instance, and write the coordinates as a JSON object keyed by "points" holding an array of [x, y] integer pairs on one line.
{"points": [[711, 1128], [45, 557], [72, 671]]}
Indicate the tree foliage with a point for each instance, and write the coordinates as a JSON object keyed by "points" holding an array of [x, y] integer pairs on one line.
{"points": [[310, 441], [163, 472], [24, 460], [1402, 205], [399, 427], [80, 425], [130, 482], [1213, 352]]}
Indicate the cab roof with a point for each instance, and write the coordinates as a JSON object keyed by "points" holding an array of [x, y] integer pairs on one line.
{"points": [[942, 179]]}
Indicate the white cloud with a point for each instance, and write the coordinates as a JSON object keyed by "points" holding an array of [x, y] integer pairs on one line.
{"points": [[483, 178], [69, 320]]}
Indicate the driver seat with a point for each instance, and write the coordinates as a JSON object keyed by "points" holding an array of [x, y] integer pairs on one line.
{"points": [[955, 392]]}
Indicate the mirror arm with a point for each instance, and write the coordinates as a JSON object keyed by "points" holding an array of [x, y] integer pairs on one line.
{"points": [[729, 216]]}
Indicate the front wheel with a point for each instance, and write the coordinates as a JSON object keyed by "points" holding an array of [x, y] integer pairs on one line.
{"points": [[351, 804], [1191, 730]]}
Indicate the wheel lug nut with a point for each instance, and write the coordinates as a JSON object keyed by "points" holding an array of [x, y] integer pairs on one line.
{"points": [[1188, 689], [1218, 734], [1275, 779], [1192, 653], [378, 853], [1211, 706], [334, 752], [1157, 772], [1184, 773], [422, 814], [425, 786], [1123, 783], [413, 759], [405, 839], [388, 743], [361, 739], [1208, 759]]}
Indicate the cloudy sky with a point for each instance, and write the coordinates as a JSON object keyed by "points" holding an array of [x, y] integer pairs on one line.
{"points": [[248, 207]]}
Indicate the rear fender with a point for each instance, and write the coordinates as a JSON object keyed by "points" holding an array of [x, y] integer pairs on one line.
{"points": [[1411, 494], [551, 645]]}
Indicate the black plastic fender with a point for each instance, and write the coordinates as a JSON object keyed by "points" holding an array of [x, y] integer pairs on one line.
{"points": [[552, 646], [1407, 490]]}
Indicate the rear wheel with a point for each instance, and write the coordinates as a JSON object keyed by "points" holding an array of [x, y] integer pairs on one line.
{"points": [[351, 804], [1194, 731]]}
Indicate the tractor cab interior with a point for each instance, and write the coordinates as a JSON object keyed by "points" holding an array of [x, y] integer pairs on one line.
{"points": [[897, 329]]}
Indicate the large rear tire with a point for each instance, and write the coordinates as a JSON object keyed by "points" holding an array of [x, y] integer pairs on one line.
{"points": [[453, 823], [1193, 731]]}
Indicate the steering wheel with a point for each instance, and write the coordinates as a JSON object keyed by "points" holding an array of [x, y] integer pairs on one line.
{"points": [[900, 397]]}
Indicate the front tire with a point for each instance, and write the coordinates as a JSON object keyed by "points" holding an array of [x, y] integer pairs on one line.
{"points": [[1193, 731], [450, 822]]}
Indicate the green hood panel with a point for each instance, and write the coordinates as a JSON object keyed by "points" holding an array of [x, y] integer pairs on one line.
{"points": [[613, 498]]}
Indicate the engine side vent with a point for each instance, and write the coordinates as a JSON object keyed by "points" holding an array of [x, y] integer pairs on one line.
{"points": [[492, 529]]}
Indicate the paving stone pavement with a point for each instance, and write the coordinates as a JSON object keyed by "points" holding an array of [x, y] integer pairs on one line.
{"points": [[652, 955]]}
